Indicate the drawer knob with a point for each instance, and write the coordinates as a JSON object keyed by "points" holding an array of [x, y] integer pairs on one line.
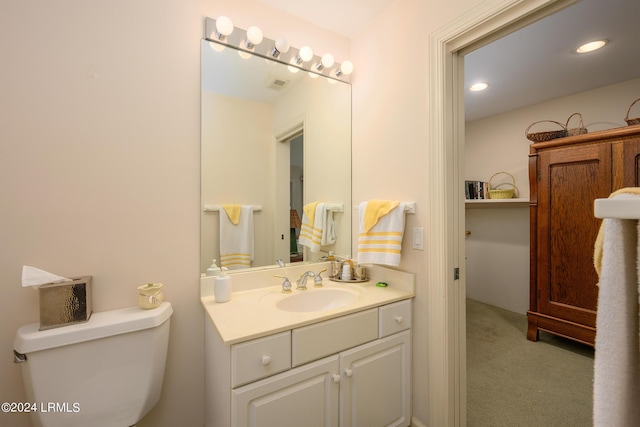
{"points": [[266, 360], [336, 378], [348, 372], [399, 319]]}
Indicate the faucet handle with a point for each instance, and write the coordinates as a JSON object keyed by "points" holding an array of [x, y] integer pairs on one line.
{"points": [[317, 280], [286, 284]]}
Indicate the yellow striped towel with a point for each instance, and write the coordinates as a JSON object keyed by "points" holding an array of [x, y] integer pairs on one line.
{"points": [[380, 242], [236, 239], [311, 229]]}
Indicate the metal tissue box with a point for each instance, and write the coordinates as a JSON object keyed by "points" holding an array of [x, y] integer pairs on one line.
{"points": [[67, 303]]}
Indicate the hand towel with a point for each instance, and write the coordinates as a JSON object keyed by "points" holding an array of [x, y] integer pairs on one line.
{"points": [[380, 233], [616, 387], [236, 239], [329, 232], [597, 251], [311, 229]]}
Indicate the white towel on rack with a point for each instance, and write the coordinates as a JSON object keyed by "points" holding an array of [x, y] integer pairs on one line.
{"points": [[616, 387], [318, 226], [381, 243], [236, 240]]}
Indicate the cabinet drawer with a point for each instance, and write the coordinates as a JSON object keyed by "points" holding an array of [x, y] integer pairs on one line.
{"points": [[260, 358], [395, 317], [322, 339]]}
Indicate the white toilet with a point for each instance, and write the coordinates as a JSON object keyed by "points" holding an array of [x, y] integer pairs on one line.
{"points": [[105, 372]]}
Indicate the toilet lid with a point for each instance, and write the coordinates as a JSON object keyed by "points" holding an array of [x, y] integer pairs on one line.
{"points": [[100, 325]]}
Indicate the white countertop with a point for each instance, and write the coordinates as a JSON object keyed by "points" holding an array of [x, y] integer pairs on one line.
{"points": [[252, 313], [622, 206]]}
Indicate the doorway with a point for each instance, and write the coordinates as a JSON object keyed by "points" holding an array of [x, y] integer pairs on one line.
{"points": [[446, 293]]}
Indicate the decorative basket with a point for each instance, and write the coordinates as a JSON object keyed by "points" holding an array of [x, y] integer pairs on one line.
{"points": [[629, 121], [576, 131], [504, 193], [548, 135]]}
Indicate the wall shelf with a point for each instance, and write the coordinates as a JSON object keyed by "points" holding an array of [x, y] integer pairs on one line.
{"points": [[496, 203]]}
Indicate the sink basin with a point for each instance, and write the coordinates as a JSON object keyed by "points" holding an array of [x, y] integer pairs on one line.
{"points": [[316, 300]]}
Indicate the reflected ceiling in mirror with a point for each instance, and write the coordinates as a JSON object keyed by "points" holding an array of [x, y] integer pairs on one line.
{"points": [[251, 108]]}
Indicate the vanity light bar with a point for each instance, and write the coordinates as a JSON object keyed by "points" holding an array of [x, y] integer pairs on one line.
{"points": [[237, 40]]}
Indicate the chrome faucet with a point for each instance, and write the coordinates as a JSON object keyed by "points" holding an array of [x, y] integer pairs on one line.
{"points": [[301, 283], [280, 263]]}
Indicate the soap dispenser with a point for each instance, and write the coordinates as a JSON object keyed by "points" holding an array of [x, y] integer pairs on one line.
{"points": [[214, 270], [222, 286]]}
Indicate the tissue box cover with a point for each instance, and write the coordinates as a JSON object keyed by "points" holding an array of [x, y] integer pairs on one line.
{"points": [[66, 303]]}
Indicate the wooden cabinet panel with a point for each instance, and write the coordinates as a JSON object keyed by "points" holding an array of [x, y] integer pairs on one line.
{"points": [[566, 176]]}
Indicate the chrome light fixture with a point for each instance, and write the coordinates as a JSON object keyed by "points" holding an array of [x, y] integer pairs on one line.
{"points": [[221, 33]]}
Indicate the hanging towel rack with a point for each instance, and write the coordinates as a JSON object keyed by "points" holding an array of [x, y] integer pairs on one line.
{"points": [[217, 208], [409, 207], [335, 207]]}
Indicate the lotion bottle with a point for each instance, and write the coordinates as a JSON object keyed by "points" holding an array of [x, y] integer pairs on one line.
{"points": [[214, 270], [222, 286]]}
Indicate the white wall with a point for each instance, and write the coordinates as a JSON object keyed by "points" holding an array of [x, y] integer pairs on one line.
{"points": [[100, 163], [390, 139], [497, 249]]}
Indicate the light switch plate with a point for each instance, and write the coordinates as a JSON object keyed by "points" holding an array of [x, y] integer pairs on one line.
{"points": [[418, 238]]}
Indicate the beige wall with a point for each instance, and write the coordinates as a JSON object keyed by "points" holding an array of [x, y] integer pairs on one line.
{"points": [[497, 250], [100, 163]]}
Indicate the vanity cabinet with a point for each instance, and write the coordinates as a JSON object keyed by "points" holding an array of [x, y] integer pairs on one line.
{"points": [[353, 370], [566, 176]]}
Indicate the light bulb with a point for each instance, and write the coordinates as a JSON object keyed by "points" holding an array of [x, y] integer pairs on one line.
{"points": [[254, 35], [305, 53], [224, 27], [327, 60], [346, 67], [282, 45]]}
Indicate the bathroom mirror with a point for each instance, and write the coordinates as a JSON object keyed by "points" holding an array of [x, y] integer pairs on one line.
{"points": [[275, 140]]}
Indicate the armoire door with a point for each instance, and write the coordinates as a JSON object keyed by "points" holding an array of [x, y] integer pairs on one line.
{"points": [[570, 179]]}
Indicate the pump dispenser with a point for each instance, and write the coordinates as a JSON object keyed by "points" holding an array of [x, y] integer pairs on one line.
{"points": [[222, 286], [214, 270]]}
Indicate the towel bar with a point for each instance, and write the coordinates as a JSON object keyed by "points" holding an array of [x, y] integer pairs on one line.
{"points": [[409, 207], [216, 208]]}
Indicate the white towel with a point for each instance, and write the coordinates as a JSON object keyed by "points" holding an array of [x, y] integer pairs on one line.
{"points": [[616, 387], [318, 226], [382, 243], [236, 240]]}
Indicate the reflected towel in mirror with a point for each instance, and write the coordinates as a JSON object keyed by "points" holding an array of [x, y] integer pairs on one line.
{"points": [[318, 226], [236, 240]]}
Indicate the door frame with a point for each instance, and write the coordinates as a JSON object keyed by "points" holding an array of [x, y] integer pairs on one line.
{"points": [[446, 295]]}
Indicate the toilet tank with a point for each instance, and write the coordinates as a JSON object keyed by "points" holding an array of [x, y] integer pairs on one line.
{"points": [[105, 372]]}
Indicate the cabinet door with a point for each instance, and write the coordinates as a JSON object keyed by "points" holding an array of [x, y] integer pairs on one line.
{"points": [[570, 179], [626, 163], [376, 383], [305, 396]]}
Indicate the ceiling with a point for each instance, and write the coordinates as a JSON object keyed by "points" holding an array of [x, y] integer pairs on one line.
{"points": [[532, 65]]}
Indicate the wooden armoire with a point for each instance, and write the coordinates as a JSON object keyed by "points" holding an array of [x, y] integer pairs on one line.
{"points": [[566, 175]]}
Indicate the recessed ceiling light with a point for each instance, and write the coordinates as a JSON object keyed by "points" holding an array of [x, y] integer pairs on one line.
{"points": [[478, 86], [591, 46]]}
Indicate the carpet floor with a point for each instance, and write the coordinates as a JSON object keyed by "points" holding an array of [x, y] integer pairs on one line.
{"points": [[518, 383]]}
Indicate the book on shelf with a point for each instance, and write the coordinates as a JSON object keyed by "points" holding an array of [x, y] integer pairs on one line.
{"points": [[474, 190]]}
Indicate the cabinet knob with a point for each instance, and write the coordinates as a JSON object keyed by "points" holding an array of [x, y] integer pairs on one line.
{"points": [[336, 378], [399, 319], [266, 360], [348, 372]]}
